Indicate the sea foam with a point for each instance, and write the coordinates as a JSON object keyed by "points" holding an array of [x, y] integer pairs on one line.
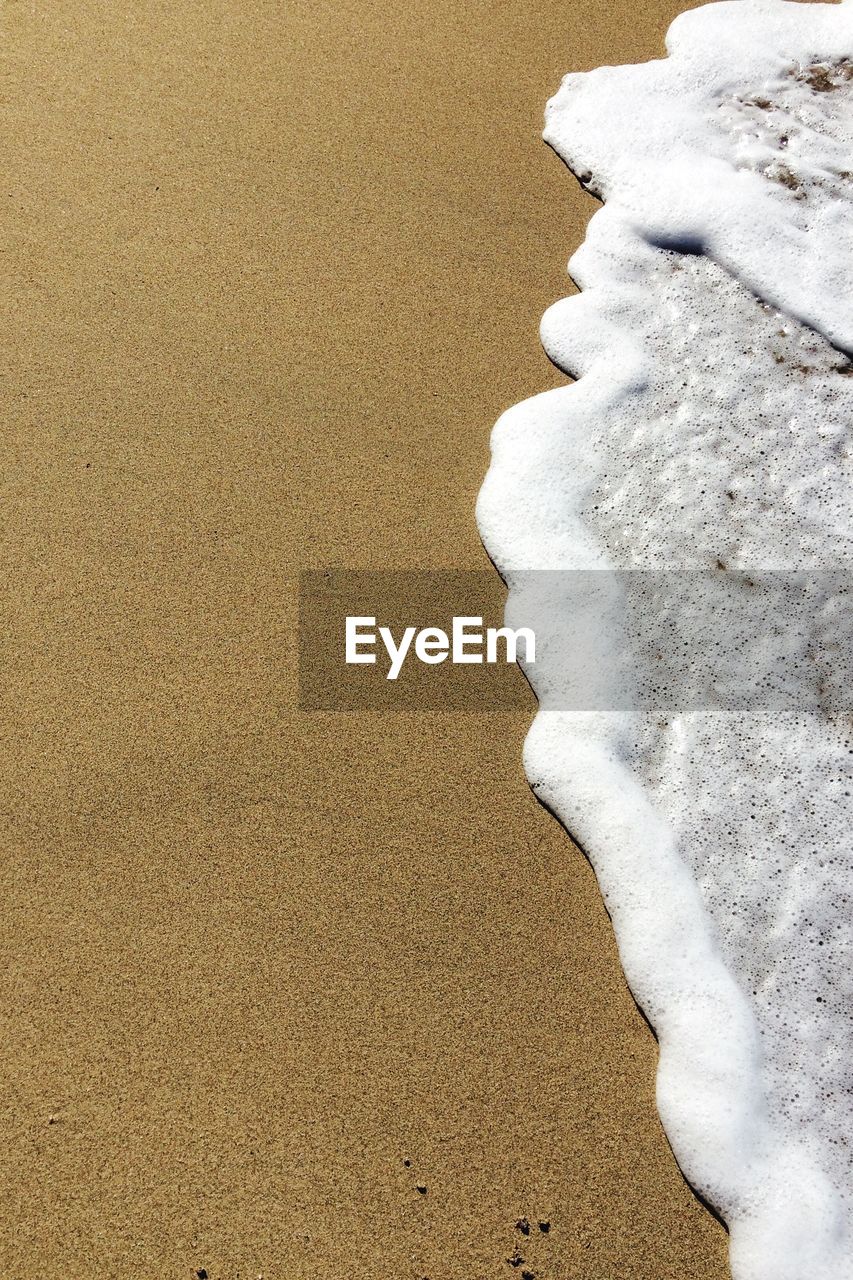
{"points": [[710, 429]]}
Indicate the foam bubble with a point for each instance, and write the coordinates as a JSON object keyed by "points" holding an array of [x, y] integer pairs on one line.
{"points": [[712, 428]]}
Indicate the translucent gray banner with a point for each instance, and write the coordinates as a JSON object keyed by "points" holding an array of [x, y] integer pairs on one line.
{"points": [[658, 641]]}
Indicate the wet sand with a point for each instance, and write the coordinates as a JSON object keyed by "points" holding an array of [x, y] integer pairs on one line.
{"points": [[276, 271]]}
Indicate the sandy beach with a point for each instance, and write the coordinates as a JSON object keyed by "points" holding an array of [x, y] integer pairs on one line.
{"points": [[276, 270]]}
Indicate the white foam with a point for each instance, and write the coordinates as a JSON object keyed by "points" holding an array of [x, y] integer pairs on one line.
{"points": [[712, 424]]}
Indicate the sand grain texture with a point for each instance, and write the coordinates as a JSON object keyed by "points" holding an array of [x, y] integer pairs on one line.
{"points": [[276, 269]]}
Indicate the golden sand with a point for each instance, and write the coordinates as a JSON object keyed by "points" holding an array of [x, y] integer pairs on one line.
{"points": [[277, 268]]}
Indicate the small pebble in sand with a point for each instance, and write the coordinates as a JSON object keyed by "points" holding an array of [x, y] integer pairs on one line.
{"points": [[407, 1163], [523, 1226], [421, 1189], [527, 1275], [201, 1273], [544, 1226]]}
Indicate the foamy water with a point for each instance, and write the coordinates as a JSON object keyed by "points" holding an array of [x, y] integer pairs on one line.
{"points": [[711, 428]]}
